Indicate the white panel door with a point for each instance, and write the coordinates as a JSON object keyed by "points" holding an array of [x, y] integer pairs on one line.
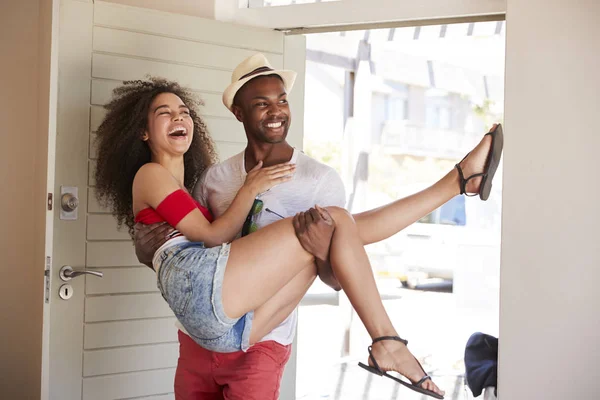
{"points": [[115, 337]]}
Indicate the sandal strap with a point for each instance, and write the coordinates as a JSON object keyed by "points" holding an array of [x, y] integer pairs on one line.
{"points": [[461, 179], [379, 339], [423, 379], [396, 338], [377, 367], [463, 182]]}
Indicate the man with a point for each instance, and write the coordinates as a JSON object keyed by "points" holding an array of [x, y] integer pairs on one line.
{"points": [[257, 97]]}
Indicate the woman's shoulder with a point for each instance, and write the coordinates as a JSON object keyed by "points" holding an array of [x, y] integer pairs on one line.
{"points": [[152, 183], [151, 167], [151, 175], [152, 170]]}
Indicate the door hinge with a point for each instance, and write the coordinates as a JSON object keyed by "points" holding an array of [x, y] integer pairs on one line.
{"points": [[49, 201], [47, 279]]}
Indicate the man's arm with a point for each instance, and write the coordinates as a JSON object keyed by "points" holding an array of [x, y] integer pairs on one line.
{"points": [[148, 238], [329, 191], [314, 229]]}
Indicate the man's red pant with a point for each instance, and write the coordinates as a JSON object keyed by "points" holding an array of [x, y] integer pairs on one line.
{"points": [[205, 375]]}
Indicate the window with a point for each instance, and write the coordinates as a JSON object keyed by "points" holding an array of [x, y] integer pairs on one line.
{"points": [[396, 108], [432, 116], [438, 109]]}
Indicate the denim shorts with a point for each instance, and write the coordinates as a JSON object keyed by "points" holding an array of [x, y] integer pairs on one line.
{"points": [[190, 278]]}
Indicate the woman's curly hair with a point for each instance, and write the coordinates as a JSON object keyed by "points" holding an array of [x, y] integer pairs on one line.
{"points": [[121, 151]]}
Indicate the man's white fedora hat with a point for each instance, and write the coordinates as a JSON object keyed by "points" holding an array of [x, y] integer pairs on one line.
{"points": [[251, 67]]}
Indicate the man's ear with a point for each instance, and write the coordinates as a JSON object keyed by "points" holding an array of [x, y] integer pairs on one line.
{"points": [[237, 111]]}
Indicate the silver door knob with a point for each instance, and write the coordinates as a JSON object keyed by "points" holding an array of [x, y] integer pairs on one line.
{"points": [[67, 273], [69, 202]]}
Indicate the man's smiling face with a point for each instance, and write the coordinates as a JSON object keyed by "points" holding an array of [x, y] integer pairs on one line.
{"points": [[261, 105]]}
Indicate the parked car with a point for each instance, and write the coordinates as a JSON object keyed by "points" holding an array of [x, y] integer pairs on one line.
{"points": [[427, 249]]}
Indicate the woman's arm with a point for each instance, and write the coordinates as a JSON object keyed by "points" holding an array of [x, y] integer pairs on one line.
{"points": [[153, 183]]}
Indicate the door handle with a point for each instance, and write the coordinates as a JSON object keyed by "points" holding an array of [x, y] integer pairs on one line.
{"points": [[69, 202], [67, 273]]}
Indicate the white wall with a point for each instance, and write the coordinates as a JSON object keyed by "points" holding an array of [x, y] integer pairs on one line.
{"points": [[24, 111], [549, 316]]}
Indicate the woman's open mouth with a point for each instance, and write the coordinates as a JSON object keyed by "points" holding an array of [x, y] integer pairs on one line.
{"points": [[178, 132]]}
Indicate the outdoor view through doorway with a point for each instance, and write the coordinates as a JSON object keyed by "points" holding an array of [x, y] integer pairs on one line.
{"points": [[392, 110]]}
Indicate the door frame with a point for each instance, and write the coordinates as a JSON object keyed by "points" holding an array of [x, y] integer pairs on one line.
{"points": [[358, 14], [50, 180], [256, 17]]}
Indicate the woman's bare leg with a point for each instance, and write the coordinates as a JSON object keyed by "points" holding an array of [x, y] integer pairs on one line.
{"points": [[275, 310], [262, 267], [381, 223]]}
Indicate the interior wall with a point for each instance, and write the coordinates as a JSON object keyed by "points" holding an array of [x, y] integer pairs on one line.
{"points": [[24, 82], [549, 318]]}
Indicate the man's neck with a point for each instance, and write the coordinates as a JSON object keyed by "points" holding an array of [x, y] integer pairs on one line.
{"points": [[270, 154]]}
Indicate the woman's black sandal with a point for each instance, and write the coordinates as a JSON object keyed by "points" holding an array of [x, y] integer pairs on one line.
{"points": [[491, 165], [416, 386]]}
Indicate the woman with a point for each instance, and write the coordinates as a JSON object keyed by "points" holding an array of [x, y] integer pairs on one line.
{"points": [[152, 148]]}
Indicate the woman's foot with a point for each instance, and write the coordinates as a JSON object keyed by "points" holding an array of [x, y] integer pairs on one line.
{"points": [[475, 161], [392, 355]]}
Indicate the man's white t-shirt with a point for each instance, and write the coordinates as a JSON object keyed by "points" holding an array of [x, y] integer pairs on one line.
{"points": [[313, 183]]}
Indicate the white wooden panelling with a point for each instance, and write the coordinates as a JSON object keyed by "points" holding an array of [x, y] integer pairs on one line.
{"points": [[128, 333], [228, 149], [226, 130], [129, 359], [124, 68], [172, 50], [123, 280], [91, 172], [97, 114], [102, 91], [123, 386], [111, 254], [122, 307], [169, 396], [104, 227], [213, 105], [225, 149], [295, 60], [93, 149], [180, 26], [93, 205]]}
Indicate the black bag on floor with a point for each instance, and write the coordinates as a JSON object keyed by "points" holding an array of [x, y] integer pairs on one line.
{"points": [[481, 362]]}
